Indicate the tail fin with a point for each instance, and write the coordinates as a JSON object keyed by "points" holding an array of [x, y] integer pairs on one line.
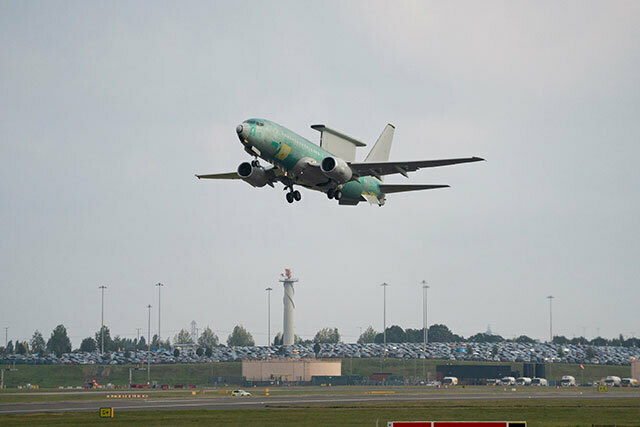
{"points": [[382, 148]]}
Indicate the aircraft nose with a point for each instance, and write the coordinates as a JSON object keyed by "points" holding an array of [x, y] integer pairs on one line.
{"points": [[242, 130]]}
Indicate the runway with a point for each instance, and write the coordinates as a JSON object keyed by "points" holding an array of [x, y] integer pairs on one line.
{"points": [[281, 402]]}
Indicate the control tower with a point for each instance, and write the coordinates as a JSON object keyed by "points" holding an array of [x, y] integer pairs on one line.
{"points": [[289, 306]]}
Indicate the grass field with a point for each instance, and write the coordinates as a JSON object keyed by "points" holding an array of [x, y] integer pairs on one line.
{"points": [[78, 375], [199, 373], [561, 412]]}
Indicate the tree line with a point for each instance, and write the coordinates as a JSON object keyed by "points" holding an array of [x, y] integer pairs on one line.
{"points": [[441, 333], [59, 342]]}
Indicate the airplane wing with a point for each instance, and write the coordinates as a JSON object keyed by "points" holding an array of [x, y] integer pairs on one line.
{"points": [[379, 169], [273, 175], [400, 188], [229, 175]]}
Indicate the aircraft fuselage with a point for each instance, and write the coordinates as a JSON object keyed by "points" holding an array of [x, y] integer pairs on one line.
{"points": [[299, 159]]}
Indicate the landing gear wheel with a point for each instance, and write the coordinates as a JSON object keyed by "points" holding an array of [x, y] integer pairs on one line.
{"points": [[338, 195], [296, 195], [290, 197], [330, 193], [255, 163]]}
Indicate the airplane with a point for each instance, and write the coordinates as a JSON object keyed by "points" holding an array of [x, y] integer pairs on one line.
{"points": [[330, 167]]}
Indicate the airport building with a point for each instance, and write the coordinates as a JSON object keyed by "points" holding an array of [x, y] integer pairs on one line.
{"points": [[290, 370]]}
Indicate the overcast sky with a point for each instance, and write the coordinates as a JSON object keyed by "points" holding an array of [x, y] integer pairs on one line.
{"points": [[108, 109]]}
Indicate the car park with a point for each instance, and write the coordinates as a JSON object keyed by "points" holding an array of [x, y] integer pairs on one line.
{"points": [[506, 352]]}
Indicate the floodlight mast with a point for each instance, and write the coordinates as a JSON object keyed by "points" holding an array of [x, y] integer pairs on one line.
{"points": [[425, 287], [287, 280], [159, 285], [550, 298], [102, 288], [149, 347], [384, 313], [269, 289]]}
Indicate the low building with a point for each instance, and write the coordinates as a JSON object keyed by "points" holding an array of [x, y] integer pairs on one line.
{"points": [[290, 370]]}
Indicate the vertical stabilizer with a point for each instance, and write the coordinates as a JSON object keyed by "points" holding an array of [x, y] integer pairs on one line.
{"points": [[380, 151]]}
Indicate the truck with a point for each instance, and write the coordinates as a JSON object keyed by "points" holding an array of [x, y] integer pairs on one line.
{"points": [[612, 381], [523, 381], [540, 382], [508, 381], [450, 381], [568, 381], [629, 382]]}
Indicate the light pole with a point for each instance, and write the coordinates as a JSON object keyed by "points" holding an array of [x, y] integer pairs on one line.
{"points": [[550, 298], [268, 289], [384, 313], [159, 285], [424, 314], [424, 326], [102, 288], [384, 325], [149, 348]]}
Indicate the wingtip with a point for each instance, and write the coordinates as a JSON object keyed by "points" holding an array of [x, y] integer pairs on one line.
{"points": [[480, 159], [197, 176]]}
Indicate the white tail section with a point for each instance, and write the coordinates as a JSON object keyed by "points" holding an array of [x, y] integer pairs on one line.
{"points": [[382, 148]]}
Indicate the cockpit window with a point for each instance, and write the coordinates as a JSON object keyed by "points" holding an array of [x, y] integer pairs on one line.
{"points": [[255, 122]]}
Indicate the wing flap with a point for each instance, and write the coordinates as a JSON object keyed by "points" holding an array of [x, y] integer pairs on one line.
{"points": [[401, 188]]}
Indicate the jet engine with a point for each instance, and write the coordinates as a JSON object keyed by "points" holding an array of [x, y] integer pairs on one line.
{"points": [[336, 169], [254, 175]]}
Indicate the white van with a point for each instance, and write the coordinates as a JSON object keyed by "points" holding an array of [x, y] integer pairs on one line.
{"points": [[523, 381], [508, 381], [540, 382], [568, 381], [450, 381], [612, 381], [629, 382]]}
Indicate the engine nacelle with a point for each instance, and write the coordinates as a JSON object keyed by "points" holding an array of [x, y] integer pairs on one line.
{"points": [[255, 176], [336, 169]]}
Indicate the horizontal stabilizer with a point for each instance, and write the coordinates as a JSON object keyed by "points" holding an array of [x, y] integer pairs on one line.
{"points": [[401, 188]]}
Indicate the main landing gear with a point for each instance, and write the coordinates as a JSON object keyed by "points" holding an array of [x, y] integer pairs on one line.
{"points": [[334, 194], [293, 195]]}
